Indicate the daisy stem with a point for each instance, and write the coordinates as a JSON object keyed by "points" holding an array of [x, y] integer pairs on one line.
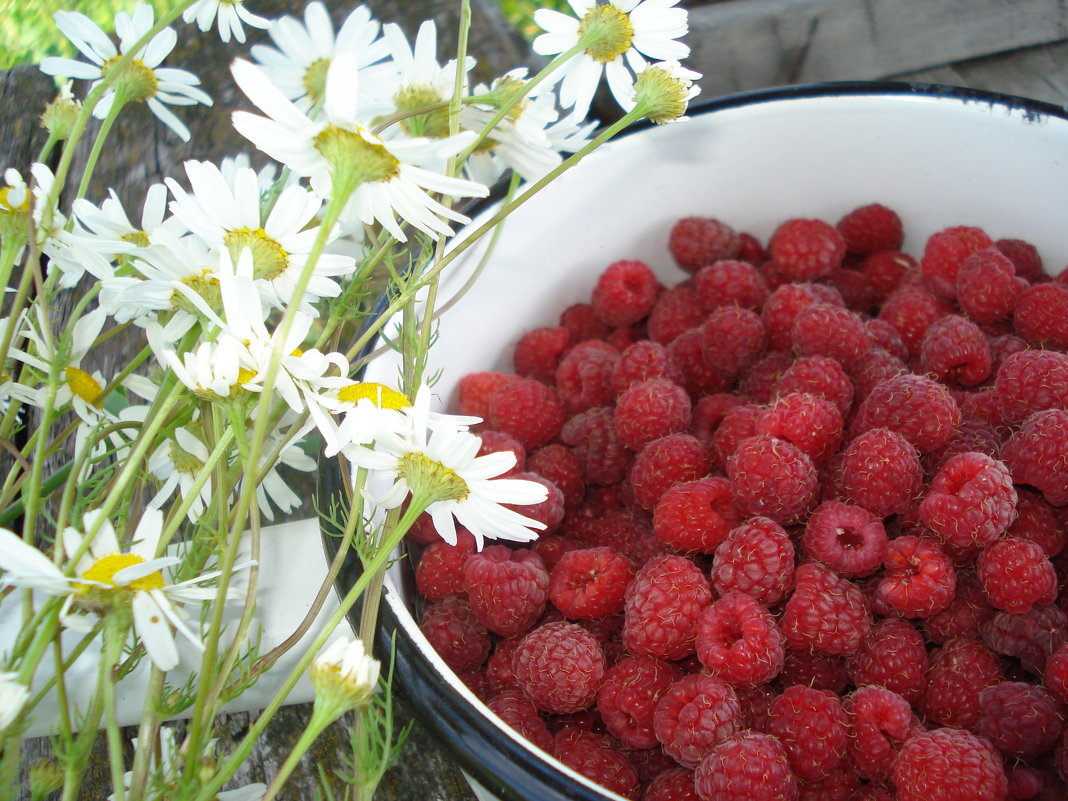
{"points": [[31, 493], [321, 718], [46, 148], [114, 637], [98, 144], [373, 595], [178, 514], [146, 733]]}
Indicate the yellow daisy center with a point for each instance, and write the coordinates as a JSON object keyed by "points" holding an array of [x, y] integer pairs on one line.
{"points": [[609, 30], [205, 285], [433, 124], [135, 82], [269, 258], [379, 394], [83, 385], [139, 238], [315, 79], [103, 570]]}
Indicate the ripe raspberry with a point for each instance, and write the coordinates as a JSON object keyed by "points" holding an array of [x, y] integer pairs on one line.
{"points": [[664, 462], [507, 589], [592, 436], [590, 582], [1037, 452], [756, 558], [1020, 719], [733, 339], [820, 376], [894, 656], [813, 728], [919, 579], [886, 271], [758, 382], [738, 424], [624, 293], [628, 697], [1032, 381], [559, 465], [662, 605], [496, 441], [1035, 521], [955, 350], [826, 613], [739, 641], [582, 323], [456, 634], [949, 765], [806, 249], [881, 472], [594, 757], [584, 376], [675, 784], [649, 763], [839, 785], [699, 377], [537, 353], [971, 501], [645, 361], [1016, 574], [560, 666], [773, 478], [1056, 673], [871, 228], [550, 512], [747, 767], [1041, 315], [824, 329], [630, 533], [960, 670], [1030, 637], [987, 286], [911, 308], [519, 712], [971, 436], [751, 250], [854, 287], [528, 410], [917, 407], [697, 713], [476, 390], [676, 310], [781, 309], [813, 669], [886, 336], [730, 283], [441, 567], [648, 410], [874, 367], [1024, 257], [880, 721], [849, 539], [696, 516], [946, 251], [697, 241], [498, 670]]}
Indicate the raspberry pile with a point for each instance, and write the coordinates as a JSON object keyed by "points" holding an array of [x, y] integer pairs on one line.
{"points": [[806, 528]]}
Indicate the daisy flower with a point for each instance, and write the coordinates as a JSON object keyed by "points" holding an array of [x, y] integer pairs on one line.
{"points": [[618, 35], [230, 14], [13, 697], [175, 464], [212, 370], [663, 90], [142, 78], [344, 676], [78, 385]]}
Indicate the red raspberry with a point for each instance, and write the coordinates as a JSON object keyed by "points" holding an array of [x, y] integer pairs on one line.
{"points": [[747, 767], [881, 472], [911, 308], [699, 377], [590, 582], [824, 329], [582, 323], [1037, 452], [441, 567], [919, 579], [949, 765], [846, 538], [813, 728], [1056, 673], [756, 558], [696, 516], [1035, 521], [751, 250], [675, 784], [696, 714], [1020, 719], [1030, 637], [773, 478], [592, 436], [650, 763], [738, 424], [664, 462], [1024, 257], [971, 501], [874, 367], [854, 287], [894, 656], [496, 441], [537, 353], [880, 721], [813, 669], [648, 410], [946, 251], [455, 633], [806, 249], [645, 361], [971, 436], [871, 228], [519, 712], [550, 512], [676, 310], [507, 589], [886, 270], [1016, 574], [697, 241], [584, 376], [624, 293], [630, 533], [917, 407], [987, 286], [1032, 381], [960, 670], [1041, 315], [886, 336], [628, 697], [781, 309], [528, 410], [758, 382], [839, 785], [954, 349], [498, 671], [729, 283], [560, 466], [594, 757], [663, 602], [821, 376], [826, 613], [739, 641], [733, 339], [560, 666], [476, 390], [1026, 783]]}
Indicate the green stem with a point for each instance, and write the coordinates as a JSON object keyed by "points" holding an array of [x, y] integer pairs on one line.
{"points": [[114, 637], [320, 720], [178, 514], [98, 145], [146, 733]]}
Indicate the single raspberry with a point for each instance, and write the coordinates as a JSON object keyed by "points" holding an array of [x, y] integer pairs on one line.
{"points": [[1020, 719], [440, 571], [971, 436], [594, 756], [590, 582], [593, 439], [1032, 381], [507, 589], [840, 784], [919, 408], [699, 377], [747, 767], [751, 250], [664, 462], [966, 615], [986, 286], [881, 471], [781, 309], [583, 323], [676, 784], [662, 606], [894, 656], [886, 271], [855, 288], [630, 533], [847, 538], [696, 714], [1003, 346], [631, 689], [813, 728], [528, 410], [696, 516], [455, 633], [1056, 673], [760, 380], [960, 670], [559, 465], [649, 763], [476, 390], [1037, 452], [886, 337], [870, 228], [874, 367], [537, 353], [810, 422], [624, 292], [820, 376], [756, 558], [645, 361], [584, 376], [773, 478], [737, 425], [1027, 784], [697, 241], [560, 666], [739, 641], [733, 339], [1035, 521], [1016, 574], [806, 249], [911, 308], [676, 310], [1041, 315], [813, 669], [519, 712], [946, 251], [955, 350], [648, 410], [730, 283], [949, 765], [826, 613], [971, 501], [824, 329], [498, 669], [919, 579], [1030, 637]]}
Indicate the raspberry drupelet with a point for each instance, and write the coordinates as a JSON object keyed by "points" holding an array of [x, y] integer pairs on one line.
{"points": [[629, 695]]}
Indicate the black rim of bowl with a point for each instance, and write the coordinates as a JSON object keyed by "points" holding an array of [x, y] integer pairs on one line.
{"points": [[502, 765]]}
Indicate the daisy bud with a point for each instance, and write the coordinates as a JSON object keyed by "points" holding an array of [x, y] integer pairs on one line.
{"points": [[344, 677], [662, 91], [46, 776], [13, 696], [14, 206], [59, 115]]}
